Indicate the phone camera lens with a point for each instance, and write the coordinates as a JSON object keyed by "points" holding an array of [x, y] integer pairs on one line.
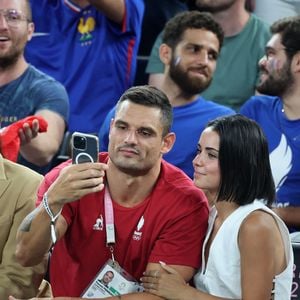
{"points": [[80, 142]]}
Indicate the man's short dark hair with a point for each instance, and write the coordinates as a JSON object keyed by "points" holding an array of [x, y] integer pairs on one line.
{"points": [[244, 161], [175, 27], [289, 29], [152, 97]]}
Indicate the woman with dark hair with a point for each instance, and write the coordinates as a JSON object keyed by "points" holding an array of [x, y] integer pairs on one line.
{"points": [[247, 252]]}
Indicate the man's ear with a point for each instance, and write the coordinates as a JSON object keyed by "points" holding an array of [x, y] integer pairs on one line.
{"points": [[168, 142], [296, 62], [30, 31], [110, 126], [165, 54]]}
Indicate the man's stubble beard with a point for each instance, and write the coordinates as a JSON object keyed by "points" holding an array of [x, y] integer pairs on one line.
{"points": [[190, 86], [9, 61], [279, 84]]}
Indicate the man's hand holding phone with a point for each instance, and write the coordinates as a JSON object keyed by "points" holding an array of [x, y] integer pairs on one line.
{"points": [[75, 181], [84, 176]]}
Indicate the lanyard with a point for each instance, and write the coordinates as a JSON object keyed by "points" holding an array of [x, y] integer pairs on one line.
{"points": [[109, 222]]}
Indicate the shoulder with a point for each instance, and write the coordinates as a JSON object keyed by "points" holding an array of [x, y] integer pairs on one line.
{"points": [[258, 226], [21, 184], [211, 109], [38, 79], [218, 107], [261, 102], [19, 172], [260, 24], [54, 173], [47, 93], [257, 33]]}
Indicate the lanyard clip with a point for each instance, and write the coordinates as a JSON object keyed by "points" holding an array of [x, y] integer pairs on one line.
{"points": [[111, 249]]}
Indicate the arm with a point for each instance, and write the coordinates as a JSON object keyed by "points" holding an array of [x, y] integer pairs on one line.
{"points": [[171, 285], [114, 10], [262, 255], [15, 279], [290, 215], [185, 272], [157, 270], [73, 182], [39, 148]]}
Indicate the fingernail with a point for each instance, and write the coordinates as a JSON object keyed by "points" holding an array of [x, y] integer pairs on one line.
{"points": [[162, 263]]}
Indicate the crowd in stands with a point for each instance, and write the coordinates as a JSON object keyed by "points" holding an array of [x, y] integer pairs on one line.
{"points": [[196, 107], [189, 54]]}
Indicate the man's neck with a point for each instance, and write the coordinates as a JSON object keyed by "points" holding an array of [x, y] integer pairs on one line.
{"points": [[233, 20], [13, 72], [176, 96], [291, 103], [129, 190]]}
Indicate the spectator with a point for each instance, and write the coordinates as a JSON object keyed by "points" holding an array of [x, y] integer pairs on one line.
{"points": [[191, 45], [26, 91], [17, 199], [247, 252], [278, 113], [158, 213], [90, 46], [237, 72], [273, 10]]}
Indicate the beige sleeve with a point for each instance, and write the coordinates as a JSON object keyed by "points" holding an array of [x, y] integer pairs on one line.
{"points": [[21, 282]]}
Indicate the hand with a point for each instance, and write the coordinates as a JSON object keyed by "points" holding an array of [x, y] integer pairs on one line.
{"points": [[76, 181], [166, 285], [28, 133]]}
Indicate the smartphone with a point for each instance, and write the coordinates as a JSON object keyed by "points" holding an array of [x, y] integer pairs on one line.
{"points": [[85, 148]]}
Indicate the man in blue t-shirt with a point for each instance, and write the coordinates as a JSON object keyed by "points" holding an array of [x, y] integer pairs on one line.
{"points": [[191, 45], [237, 72], [279, 114], [90, 46], [25, 91]]}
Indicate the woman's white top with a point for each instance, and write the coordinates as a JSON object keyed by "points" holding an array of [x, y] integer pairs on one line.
{"points": [[221, 274]]}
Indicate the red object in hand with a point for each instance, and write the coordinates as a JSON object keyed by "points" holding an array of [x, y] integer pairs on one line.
{"points": [[10, 140]]}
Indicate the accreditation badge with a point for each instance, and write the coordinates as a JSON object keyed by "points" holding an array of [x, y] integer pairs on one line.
{"points": [[111, 281]]}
